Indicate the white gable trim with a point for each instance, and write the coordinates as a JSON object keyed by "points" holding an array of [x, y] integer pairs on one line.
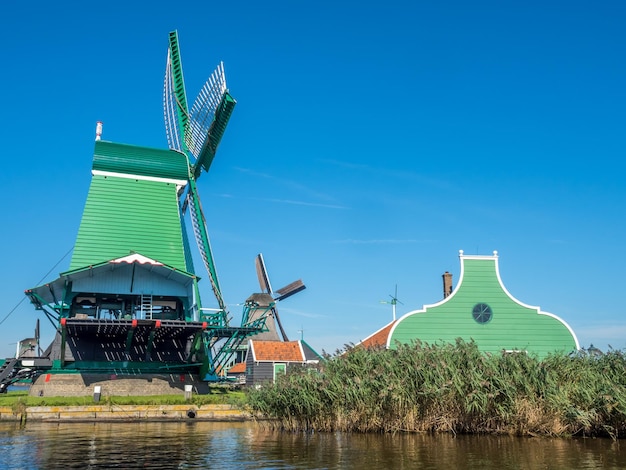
{"points": [[136, 258], [251, 350], [302, 356]]}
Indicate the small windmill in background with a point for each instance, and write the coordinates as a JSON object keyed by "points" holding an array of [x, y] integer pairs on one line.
{"points": [[394, 300], [268, 298]]}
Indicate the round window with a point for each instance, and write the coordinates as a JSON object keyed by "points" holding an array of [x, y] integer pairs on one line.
{"points": [[482, 313]]}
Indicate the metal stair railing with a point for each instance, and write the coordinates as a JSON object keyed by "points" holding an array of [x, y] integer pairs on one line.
{"points": [[7, 372], [7, 368]]}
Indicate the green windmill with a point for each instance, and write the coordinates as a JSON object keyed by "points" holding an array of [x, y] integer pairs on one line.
{"points": [[130, 300]]}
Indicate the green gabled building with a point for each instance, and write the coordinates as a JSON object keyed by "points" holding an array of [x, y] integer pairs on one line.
{"points": [[480, 309]]}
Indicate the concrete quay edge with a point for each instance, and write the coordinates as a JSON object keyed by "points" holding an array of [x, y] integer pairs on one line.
{"points": [[112, 412]]}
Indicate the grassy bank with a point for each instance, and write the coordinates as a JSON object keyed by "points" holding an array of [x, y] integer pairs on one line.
{"points": [[452, 388], [218, 396]]}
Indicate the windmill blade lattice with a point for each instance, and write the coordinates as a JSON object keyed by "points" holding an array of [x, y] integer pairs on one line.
{"points": [[261, 272], [174, 97], [203, 111], [204, 245], [169, 110], [200, 131], [290, 289]]}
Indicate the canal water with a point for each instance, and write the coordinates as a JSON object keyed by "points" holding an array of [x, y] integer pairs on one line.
{"points": [[206, 445]]}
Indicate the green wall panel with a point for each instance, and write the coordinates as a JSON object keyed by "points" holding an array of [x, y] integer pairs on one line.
{"points": [[124, 215]]}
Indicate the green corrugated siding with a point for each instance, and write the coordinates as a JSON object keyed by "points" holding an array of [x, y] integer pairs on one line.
{"points": [[141, 161], [512, 327], [124, 215]]}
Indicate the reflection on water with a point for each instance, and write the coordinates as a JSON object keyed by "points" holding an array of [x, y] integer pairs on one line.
{"points": [[188, 445]]}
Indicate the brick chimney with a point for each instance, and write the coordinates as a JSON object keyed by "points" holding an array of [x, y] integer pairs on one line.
{"points": [[447, 284]]}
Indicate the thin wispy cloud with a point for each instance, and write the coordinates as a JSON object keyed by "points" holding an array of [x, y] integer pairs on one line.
{"points": [[386, 173], [302, 203], [289, 201], [300, 313], [382, 241], [285, 183], [251, 172]]}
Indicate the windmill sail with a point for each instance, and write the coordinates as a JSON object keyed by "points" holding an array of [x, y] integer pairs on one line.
{"points": [[199, 131], [203, 110], [280, 324], [170, 109], [202, 239], [214, 134], [290, 289], [175, 97], [261, 272]]}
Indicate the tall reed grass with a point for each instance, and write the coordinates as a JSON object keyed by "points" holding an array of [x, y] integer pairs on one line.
{"points": [[451, 388]]}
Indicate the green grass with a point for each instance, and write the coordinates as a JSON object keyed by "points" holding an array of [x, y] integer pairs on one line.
{"points": [[219, 396]]}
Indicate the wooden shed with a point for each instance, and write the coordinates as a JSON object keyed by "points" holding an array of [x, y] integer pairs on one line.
{"points": [[268, 359]]}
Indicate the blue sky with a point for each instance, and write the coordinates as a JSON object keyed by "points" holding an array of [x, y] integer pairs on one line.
{"points": [[370, 143]]}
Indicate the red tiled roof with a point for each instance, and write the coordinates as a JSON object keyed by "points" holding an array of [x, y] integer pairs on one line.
{"points": [[378, 339], [288, 351], [238, 368]]}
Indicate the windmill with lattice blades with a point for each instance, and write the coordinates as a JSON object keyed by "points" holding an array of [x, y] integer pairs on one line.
{"points": [[394, 301], [130, 300]]}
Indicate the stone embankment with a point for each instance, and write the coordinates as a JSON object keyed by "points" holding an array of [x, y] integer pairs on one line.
{"points": [[124, 413], [73, 385]]}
